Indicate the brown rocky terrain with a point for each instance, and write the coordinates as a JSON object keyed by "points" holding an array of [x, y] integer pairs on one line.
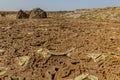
{"points": [[59, 49]]}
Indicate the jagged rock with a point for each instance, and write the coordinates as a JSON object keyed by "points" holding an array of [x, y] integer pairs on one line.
{"points": [[81, 77], [84, 76], [92, 77], [46, 53], [96, 57], [22, 15], [103, 56], [37, 13], [22, 61]]}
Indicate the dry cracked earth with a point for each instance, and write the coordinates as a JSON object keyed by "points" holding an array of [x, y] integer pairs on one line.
{"points": [[59, 49]]}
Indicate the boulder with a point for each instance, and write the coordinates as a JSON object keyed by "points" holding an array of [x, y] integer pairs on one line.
{"points": [[37, 13], [22, 15]]}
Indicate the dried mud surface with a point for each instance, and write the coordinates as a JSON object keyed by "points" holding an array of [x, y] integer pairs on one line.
{"points": [[27, 47]]}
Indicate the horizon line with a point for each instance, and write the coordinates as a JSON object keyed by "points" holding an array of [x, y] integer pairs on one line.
{"points": [[62, 10]]}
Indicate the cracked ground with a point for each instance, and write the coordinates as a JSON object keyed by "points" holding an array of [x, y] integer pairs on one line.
{"points": [[96, 54]]}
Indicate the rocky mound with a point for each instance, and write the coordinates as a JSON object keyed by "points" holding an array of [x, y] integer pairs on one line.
{"points": [[38, 13], [22, 15]]}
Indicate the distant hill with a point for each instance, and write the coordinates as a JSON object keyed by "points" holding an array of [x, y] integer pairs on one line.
{"points": [[99, 14]]}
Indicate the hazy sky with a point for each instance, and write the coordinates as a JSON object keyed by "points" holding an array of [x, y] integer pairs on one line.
{"points": [[55, 4]]}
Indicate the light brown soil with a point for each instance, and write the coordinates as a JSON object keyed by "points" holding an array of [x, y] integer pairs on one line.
{"points": [[21, 39]]}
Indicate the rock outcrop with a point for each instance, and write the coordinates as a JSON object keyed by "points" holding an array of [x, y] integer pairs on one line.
{"points": [[37, 13], [22, 15]]}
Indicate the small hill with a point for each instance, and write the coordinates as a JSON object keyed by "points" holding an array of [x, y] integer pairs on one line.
{"points": [[99, 14]]}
